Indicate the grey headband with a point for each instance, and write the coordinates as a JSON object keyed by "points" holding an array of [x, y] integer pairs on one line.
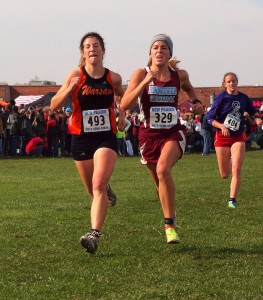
{"points": [[165, 38]]}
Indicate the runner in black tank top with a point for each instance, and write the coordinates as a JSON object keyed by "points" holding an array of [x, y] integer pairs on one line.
{"points": [[93, 126]]}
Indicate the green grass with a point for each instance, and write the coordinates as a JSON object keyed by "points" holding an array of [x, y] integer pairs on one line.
{"points": [[44, 210]]}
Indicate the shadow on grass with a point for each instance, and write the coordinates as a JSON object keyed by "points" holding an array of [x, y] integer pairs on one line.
{"points": [[196, 253], [220, 253]]}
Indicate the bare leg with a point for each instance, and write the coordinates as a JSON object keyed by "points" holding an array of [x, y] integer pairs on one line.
{"points": [[152, 170], [224, 161], [238, 155], [85, 169], [163, 179], [95, 175]]}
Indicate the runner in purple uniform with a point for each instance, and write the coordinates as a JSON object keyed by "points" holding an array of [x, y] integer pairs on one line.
{"points": [[227, 117]]}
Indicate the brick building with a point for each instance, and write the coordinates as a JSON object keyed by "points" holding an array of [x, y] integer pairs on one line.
{"points": [[9, 92]]}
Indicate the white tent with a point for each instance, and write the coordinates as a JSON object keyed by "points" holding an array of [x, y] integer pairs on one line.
{"points": [[27, 99]]}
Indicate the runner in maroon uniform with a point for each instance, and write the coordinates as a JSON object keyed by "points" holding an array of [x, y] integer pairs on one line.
{"points": [[161, 136], [93, 126]]}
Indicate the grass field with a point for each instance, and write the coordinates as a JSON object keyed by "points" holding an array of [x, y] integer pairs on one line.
{"points": [[44, 211]]}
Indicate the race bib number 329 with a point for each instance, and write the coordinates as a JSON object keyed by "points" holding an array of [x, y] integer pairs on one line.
{"points": [[96, 120], [163, 117]]}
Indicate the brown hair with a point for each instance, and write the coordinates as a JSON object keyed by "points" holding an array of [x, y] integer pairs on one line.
{"points": [[81, 46]]}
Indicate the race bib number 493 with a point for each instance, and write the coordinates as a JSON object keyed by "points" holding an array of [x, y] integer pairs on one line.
{"points": [[96, 120], [163, 117]]}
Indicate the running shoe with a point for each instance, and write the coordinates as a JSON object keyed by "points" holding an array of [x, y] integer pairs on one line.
{"points": [[171, 236], [232, 204], [111, 196], [89, 242]]}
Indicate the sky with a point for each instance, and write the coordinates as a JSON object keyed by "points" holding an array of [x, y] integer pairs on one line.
{"points": [[40, 39]]}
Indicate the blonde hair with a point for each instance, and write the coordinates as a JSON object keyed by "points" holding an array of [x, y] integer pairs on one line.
{"points": [[173, 62], [224, 78]]}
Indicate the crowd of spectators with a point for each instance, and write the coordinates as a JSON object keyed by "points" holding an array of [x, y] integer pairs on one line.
{"points": [[41, 132], [34, 131]]}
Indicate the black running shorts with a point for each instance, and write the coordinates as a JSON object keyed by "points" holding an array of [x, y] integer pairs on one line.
{"points": [[84, 146]]}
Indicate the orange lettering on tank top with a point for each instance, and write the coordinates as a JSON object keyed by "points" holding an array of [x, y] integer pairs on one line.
{"points": [[88, 90]]}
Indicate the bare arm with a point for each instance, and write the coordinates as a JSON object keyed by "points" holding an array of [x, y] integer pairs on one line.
{"points": [[138, 82], [117, 84], [118, 91], [224, 129], [68, 86], [186, 84], [190, 91]]}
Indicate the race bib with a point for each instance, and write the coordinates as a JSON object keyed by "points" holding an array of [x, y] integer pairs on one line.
{"points": [[96, 120], [232, 122], [163, 117]]}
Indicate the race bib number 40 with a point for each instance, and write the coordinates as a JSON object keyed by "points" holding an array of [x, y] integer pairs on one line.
{"points": [[96, 120], [232, 122], [163, 117]]}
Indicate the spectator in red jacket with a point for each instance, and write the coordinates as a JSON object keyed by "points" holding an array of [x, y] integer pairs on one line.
{"points": [[35, 147]]}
